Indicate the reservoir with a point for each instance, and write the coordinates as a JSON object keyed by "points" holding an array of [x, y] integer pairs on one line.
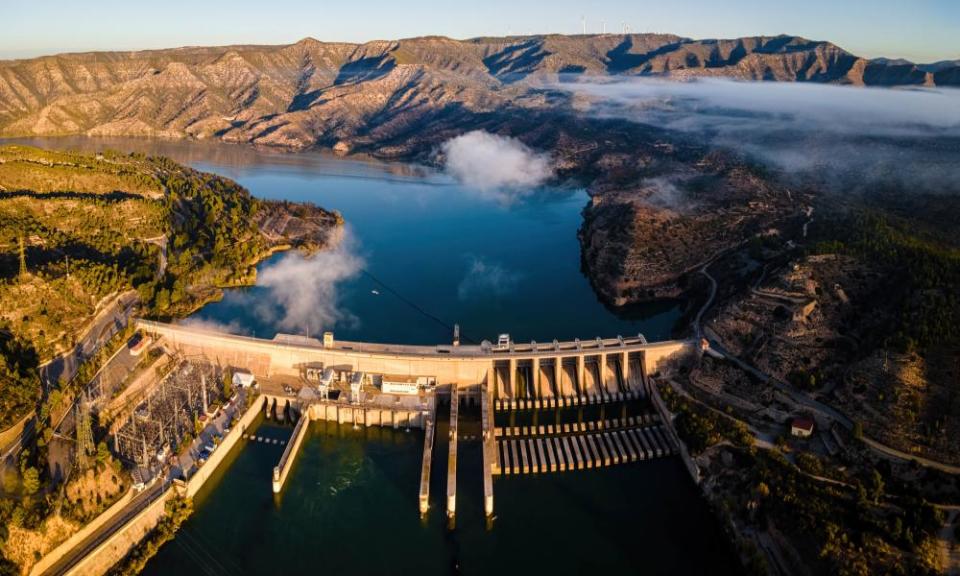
{"points": [[421, 253]]}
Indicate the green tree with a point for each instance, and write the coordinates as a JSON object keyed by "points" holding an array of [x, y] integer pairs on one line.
{"points": [[876, 486], [31, 481], [763, 490], [103, 453], [227, 383]]}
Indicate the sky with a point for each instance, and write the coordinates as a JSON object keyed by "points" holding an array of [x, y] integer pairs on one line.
{"points": [[919, 30]]}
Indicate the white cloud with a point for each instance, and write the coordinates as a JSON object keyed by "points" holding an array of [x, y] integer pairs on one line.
{"points": [[302, 292], [232, 327], [495, 164], [485, 279]]}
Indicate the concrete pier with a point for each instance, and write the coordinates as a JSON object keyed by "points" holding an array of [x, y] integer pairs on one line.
{"points": [[282, 470], [573, 440], [452, 460], [425, 469], [607, 459], [489, 449], [563, 462], [634, 444], [550, 457], [523, 457], [664, 441], [641, 445], [657, 449], [627, 446], [619, 454]]}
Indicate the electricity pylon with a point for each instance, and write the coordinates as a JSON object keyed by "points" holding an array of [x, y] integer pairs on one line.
{"points": [[23, 260]]}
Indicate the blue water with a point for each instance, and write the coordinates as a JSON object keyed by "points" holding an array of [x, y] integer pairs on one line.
{"points": [[438, 254]]}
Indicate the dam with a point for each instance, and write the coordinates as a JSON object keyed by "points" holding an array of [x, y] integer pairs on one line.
{"points": [[543, 408], [351, 489], [581, 371]]}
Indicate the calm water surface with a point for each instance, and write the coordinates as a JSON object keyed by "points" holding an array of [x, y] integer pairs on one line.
{"points": [[423, 253], [435, 252]]}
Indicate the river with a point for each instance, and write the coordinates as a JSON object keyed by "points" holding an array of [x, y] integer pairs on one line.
{"points": [[422, 253]]}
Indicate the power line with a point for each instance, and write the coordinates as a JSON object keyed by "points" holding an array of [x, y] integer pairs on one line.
{"points": [[414, 305], [204, 552]]}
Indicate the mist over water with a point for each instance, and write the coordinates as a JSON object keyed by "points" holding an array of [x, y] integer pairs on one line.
{"points": [[303, 291], [424, 252], [842, 138], [499, 167], [487, 279]]}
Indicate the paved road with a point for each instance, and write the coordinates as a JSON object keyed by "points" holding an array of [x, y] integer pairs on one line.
{"points": [[107, 322], [899, 455], [138, 504], [141, 501], [697, 322], [949, 550], [825, 410]]}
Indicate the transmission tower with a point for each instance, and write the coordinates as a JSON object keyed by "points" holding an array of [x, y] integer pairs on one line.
{"points": [[23, 260], [85, 447]]}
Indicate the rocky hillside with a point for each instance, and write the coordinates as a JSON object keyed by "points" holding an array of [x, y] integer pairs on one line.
{"points": [[89, 227], [375, 96]]}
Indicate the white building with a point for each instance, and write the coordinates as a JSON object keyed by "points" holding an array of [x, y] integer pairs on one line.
{"points": [[396, 384], [243, 379]]}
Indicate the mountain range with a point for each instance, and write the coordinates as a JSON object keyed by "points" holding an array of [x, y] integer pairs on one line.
{"points": [[373, 96]]}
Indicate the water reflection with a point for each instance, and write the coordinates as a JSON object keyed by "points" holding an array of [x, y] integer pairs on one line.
{"points": [[427, 253]]}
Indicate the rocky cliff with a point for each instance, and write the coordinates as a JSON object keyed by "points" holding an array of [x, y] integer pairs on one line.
{"points": [[661, 203], [373, 96]]}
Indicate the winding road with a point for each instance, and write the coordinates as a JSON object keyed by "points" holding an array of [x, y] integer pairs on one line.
{"points": [[824, 410]]}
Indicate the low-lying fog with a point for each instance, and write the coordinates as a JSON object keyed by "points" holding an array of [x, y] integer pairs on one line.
{"points": [[842, 136]]}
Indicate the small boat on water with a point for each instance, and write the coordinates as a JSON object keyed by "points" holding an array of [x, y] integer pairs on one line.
{"points": [[375, 292]]}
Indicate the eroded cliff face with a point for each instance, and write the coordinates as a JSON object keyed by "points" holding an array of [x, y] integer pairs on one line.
{"points": [[640, 241], [371, 96]]}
